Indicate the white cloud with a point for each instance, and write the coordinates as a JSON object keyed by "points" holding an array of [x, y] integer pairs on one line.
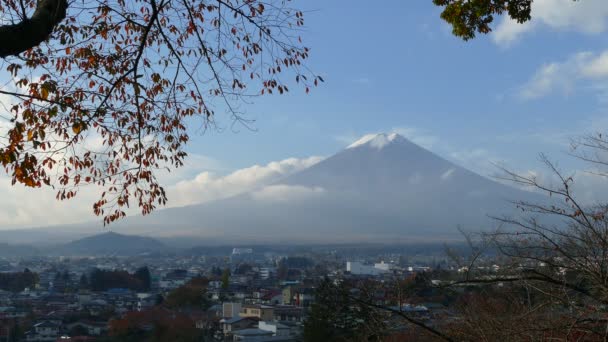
{"points": [[26, 207], [282, 192], [588, 16], [507, 32], [597, 67], [207, 186], [564, 77]]}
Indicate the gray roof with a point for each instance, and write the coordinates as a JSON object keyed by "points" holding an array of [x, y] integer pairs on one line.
{"points": [[253, 332], [234, 319]]}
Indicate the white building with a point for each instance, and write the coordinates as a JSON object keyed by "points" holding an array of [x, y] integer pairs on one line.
{"points": [[241, 254], [384, 266], [276, 328], [357, 268]]}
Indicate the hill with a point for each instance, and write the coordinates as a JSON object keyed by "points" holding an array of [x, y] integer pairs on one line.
{"points": [[111, 244]]}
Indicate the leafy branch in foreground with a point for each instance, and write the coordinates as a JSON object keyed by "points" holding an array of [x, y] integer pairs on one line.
{"points": [[107, 100]]}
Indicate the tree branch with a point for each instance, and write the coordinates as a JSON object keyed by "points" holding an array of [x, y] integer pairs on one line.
{"points": [[17, 38]]}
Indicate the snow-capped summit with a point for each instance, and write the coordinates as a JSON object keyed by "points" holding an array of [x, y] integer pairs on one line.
{"points": [[377, 141]]}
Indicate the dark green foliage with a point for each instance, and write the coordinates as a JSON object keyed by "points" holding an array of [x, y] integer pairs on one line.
{"points": [[475, 16], [337, 316], [79, 330], [19, 281], [84, 281], [143, 275], [225, 279], [16, 332], [102, 280], [159, 299], [189, 296]]}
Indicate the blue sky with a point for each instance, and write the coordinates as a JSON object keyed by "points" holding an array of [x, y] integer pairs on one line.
{"points": [[395, 66]]}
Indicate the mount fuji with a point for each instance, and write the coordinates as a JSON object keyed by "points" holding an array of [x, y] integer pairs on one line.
{"points": [[382, 188]]}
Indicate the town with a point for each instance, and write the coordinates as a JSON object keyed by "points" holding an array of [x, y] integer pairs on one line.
{"points": [[246, 294]]}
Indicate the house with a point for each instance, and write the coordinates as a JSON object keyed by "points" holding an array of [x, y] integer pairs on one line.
{"points": [[230, 310], [262, 312], [230, 325], [271, 297], [93, 328], [251, 334], [44, 331], [277, 329]]}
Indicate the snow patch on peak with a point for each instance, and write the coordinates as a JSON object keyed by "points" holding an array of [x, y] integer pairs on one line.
{"points": [[377, 141]]}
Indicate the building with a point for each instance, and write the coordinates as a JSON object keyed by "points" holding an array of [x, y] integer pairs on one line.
{"points": [[251, 334], [230, 310], [241, 255], [261, 312], [357, 268], [43, 332], [229, 325], [384, 266], [277, 329]]}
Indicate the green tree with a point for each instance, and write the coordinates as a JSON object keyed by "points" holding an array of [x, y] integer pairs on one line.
{"points": [[190, 295], [336, 316], [143, 275], [16, 332], [226, 279], [476, 16]]}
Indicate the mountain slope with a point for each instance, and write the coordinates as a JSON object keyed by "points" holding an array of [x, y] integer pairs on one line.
{"points": [[381, 188], [111, 244]]}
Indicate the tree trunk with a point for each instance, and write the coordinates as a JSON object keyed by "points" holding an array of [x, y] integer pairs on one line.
{"points": [[17, 38]]}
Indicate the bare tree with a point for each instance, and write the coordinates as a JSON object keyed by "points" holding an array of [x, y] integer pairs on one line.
{"points": [[553, 277]]}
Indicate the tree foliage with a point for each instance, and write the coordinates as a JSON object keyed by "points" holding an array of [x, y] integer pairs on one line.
{"points": [[155, 324], [469, 17], [335, 316], [103, 280], [108, 99], [18, 281], [143, 275], [191, 295], [226, 278]]}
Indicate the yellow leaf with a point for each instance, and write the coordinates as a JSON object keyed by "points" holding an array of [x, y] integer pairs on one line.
{"points": [[76, 128]]}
